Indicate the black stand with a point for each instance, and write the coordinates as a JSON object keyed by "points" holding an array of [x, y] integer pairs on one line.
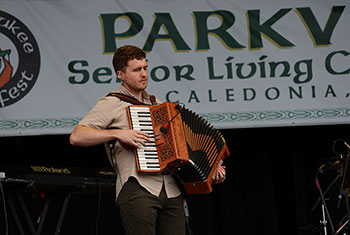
{"points": [[344, 193], [41, 219], [324, 209], [326, 191]]}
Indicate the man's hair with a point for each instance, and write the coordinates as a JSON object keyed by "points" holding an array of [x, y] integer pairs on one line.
{"points": [[125, 53]]}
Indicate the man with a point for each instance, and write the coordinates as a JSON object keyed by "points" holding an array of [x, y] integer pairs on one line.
{"points": [[148, 204]]}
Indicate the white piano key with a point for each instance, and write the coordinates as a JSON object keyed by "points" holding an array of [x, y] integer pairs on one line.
{"points": [[145, 151], [149, 165], [149, 146], [141, 122], [139, 110], [149, 168], [147, 112], [136, 114], [144, 157], [148, 150], [153, 159], [150, 128], [139, 107]]}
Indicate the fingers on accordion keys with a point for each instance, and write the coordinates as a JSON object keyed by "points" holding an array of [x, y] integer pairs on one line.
{"points": [[139, 145]]}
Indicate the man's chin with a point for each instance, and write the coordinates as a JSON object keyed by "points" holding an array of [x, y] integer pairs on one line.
{"points": [[143, 87]]}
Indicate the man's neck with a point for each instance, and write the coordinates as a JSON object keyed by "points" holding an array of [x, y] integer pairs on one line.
{"points": [[137, 95]]}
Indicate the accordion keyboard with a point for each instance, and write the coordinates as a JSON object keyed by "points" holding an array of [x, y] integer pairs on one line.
{"points": [[147, 156]]}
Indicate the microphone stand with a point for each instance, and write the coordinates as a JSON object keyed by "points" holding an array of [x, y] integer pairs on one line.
{"points": [[345, 193], [325, 192], [324, 208]]}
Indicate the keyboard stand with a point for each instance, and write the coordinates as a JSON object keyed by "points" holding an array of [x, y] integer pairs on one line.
{"points": [[41, 219]]}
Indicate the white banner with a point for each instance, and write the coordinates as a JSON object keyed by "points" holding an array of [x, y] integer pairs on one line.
{"points": [[237, 63]]}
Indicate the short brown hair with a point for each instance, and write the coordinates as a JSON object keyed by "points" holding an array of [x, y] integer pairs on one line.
{"points": [[125, 53]]}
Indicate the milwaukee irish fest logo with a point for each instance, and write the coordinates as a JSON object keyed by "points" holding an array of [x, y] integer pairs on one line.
{"points": [[19, 60]]}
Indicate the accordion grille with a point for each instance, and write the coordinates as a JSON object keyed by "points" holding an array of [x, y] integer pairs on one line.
{"points": [[167, 150]]}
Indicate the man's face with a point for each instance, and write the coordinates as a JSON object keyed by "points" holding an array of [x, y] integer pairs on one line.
{"points": [[135, 76]]}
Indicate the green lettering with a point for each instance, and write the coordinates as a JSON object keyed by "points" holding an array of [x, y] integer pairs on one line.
{"points": [[163, 69], [109, 35], [101, 72], [272, 95], [329, 62], [211, 96], [84, 73], [227, 20], [187, 75], [252, 94], [164, 21], [240, 73], [320, 37], [193, 95], [274, 65], [229, 95], [256, 30], [298, 93], [212, 75], [167, 96], [308, 72], [330, 91]]}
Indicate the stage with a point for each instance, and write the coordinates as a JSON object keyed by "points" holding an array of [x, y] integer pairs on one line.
{"points": [[270, 186]]}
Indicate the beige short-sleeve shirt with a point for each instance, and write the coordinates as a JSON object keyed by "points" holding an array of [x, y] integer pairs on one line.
{"points": [[110, 112]]}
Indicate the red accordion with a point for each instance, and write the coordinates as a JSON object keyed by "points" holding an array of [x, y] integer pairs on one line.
{"points": [[182, 143]]}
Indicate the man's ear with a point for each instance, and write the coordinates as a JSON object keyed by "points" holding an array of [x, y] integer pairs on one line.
{"points": [[120, 75]]}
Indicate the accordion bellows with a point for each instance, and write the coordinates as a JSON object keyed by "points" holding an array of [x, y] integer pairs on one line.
{"points": [[183, 143]]}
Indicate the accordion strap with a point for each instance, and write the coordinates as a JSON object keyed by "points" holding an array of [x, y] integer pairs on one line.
{"points": [[130, 99]]}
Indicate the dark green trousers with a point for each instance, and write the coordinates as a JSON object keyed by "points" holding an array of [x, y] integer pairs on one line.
{"points": [[145, 214]]}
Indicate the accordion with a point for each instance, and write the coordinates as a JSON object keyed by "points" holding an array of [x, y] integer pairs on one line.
{"points": [[182, 143]]}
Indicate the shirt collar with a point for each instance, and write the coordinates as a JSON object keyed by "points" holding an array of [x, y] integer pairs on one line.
{"points": [[145, 95]]}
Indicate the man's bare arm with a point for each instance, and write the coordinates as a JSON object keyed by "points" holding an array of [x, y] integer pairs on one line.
{"points": [[86, 136]]}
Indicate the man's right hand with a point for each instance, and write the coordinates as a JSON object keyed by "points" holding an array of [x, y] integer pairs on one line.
{"points": [[133, 137]]}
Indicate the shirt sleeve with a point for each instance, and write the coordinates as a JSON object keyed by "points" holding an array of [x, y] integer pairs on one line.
{"points": [[106, 111]]}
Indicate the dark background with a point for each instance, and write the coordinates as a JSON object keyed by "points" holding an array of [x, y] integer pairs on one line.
{"points": [[270, 186]]}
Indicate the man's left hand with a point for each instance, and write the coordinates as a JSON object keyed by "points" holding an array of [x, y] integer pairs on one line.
{"points": [[220, 174]]}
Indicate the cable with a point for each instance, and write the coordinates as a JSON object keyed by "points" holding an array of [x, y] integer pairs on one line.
{"points": [[164, 128], [5, 212], [98, 208]]}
